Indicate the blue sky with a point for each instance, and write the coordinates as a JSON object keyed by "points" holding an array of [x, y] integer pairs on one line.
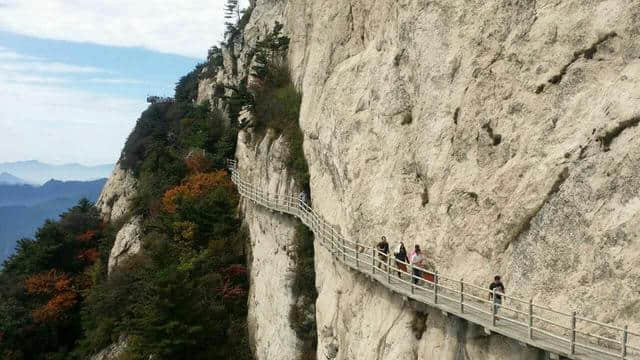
{"points": [[74, 74]]}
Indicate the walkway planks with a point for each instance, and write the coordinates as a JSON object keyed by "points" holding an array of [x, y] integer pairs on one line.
{"points": [[517, 319]]}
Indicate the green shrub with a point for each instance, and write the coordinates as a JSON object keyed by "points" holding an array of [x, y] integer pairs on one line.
{"points": [[49, 275], [187, 86], [302, 311]]}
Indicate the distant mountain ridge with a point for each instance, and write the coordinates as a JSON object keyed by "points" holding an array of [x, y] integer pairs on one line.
{"points": [[23, 207], [37, 172], [27, 195], [8, 179]]}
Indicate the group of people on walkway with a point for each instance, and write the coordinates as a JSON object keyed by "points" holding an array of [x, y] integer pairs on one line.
{"points": [[417, 261]]}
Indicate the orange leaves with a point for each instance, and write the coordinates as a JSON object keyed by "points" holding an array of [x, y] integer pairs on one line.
{"points": [[56, 307], [86, 236], [197, 162], [58, 286], [195, 187], [233, 286], [89, 255], [47, 283]]}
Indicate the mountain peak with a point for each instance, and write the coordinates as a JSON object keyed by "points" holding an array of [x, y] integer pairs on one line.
{"points": [[9, 179], [37, 172]]}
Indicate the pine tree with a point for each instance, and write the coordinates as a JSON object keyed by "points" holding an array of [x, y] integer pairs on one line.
{"points": [[268, 50], [232, 15]]}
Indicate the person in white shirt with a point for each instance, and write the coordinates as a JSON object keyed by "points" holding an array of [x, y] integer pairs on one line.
{"points": [[417, 260]]}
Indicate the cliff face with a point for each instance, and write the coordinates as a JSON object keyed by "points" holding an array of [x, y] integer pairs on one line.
{"points": [[270, 262], [116, 195], [500, 136], [114, 203]]}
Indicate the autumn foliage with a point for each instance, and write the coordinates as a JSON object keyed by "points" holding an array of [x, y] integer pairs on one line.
{"points": [[86, 236], [197, 162], [89, 256], [59, 291], [194, 187], [233, 286]]}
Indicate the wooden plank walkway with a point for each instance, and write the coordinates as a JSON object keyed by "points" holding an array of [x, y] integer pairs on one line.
{"points": [[517, 319]]}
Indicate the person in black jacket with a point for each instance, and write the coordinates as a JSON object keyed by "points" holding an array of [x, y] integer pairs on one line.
{"points": [[401, 259], [383, 252], [499, 290]]}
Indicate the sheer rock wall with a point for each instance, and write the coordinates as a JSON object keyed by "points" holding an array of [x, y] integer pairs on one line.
{"points": [[501, 136], [271, 248], [114, 204]]}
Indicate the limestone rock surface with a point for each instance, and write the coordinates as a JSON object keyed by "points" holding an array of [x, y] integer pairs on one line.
{"points": [[271, 247], [112, 352], [128, 242], [501, 136], [115, 198]]}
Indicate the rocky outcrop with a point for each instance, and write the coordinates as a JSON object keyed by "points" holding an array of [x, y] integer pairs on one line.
{"points": [[128, 242], [115, 198], [114, 205], [500, 136], [112, 352], [270, 261]]}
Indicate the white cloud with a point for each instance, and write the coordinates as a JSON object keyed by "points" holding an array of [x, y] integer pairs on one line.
{"points": [[8, 77], [42, 118], [56, 124], [116, 81], [48, 67], [8, 54], [173, 26]]}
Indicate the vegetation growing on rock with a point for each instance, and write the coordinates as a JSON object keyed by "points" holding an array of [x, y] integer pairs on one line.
{"points": [[183, 296]]}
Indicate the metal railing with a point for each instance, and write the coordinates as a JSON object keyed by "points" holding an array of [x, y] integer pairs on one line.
{"points": [[566, 334]]}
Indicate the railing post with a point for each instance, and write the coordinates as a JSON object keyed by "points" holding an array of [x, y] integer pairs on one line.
{"points": [[333, 247], [572, 344], [357, 252], [344, 251], [530, 322], [411, 278], [435, 287], [462, 295], [373, 261], [388, 269], [493, 307], [625, 336]]}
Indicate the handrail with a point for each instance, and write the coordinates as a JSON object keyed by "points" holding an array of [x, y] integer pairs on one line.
{"points": [[455, 296]]}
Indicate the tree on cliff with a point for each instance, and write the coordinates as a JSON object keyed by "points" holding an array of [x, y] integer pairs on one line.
{"points": [[232, 15]]}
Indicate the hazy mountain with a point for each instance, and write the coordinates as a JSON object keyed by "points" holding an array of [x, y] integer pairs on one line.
{"points": [[23, 208], [27, 195], [34, 171], [8, 179]]}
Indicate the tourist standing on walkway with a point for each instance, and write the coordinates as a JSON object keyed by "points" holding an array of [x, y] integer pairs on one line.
{"points": [[302, 198], [401, 258], [417, 260], [499, 290], [383, 252]]}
